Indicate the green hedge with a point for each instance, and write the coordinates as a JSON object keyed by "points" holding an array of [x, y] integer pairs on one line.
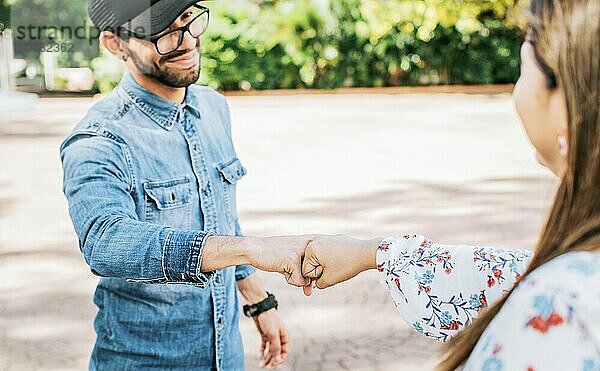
{"points": [[326, 44]]}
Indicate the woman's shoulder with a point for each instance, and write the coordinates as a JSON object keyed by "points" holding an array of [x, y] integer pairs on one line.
{"points": [[574, 271], [561, 295], [549, 321]]}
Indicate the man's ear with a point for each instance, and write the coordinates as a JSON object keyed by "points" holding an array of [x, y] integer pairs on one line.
{"points": [[114, 45]]}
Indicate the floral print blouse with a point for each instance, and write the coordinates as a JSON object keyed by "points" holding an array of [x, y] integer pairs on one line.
{"points": [[550, 322]]}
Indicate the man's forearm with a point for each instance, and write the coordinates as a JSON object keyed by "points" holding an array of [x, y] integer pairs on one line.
{"points": [[270, 254], [252, 289], [228, 251]]}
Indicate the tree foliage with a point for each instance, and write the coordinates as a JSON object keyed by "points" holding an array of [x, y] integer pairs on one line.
{"points": [[335, 43]]}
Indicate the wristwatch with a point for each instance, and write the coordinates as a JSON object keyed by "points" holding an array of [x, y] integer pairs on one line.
{"points": [[261, 307]]}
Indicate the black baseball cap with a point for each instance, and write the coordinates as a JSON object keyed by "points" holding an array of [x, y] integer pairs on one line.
{"points": [[143, 17]]}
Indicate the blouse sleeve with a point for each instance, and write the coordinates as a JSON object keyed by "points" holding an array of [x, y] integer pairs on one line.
{"points": [[439, 289]]}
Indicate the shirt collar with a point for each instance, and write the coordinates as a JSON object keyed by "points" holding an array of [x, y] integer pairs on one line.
{"points": [[163, 112]]}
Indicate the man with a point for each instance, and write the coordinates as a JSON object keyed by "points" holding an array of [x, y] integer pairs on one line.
{"points": [[150, 175]]}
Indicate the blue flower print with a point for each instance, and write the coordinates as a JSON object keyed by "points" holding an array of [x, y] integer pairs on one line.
{"points": [[474, 301], [543, 305], [585, 267], [513, 266], [492, 364], [427, 278], [446, 318], [418, 328], [590, 365]]}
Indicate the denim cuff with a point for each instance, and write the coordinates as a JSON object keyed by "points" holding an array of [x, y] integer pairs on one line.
{"points": [[182, 257], [243, 272]]}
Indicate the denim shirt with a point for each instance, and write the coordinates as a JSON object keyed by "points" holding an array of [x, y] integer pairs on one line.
{"points": [[147, 180]]}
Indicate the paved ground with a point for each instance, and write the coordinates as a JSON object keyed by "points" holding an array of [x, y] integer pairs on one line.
{"points": [[454, 167]]}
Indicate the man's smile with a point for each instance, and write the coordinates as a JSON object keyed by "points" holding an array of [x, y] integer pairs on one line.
{"points": [[188, 60]]}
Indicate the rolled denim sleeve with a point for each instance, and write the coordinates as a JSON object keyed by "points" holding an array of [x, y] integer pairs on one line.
{"points": [[242, 271], [183, 257], [98, 185]]}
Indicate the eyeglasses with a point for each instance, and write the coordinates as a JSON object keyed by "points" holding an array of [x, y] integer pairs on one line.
{"points": [[172, 40]]}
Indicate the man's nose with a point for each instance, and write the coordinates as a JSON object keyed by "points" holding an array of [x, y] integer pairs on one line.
{"points": [[189, 42]]}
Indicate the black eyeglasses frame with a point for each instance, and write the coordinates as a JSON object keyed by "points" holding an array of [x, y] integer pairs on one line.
{"points": [[125, 33]]}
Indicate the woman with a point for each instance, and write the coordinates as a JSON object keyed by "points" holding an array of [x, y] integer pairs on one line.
{"points": [[543, 307]]}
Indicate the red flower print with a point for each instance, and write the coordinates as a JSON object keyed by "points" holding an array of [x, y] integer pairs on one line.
{"points": [[448, 270], [491, 281], [543, 325], [530, 368], [384, 247], [497, 349], [428, 289], [380, 267], [406, 236], [397, 281], [555, 319], [497, 273], [419, 250], [454, 325], [427, 261], [483, 300], [539, 324]]}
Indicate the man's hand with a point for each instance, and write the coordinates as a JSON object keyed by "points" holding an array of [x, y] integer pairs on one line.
{"points": [[281, 254], [271, 254], [274, 346], [329, 260]]}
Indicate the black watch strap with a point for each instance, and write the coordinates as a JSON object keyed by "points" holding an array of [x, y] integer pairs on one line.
{"points": [[261, 307]]}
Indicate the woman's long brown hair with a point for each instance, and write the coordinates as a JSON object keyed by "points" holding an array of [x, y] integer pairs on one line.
{"points": [[566, 38]]}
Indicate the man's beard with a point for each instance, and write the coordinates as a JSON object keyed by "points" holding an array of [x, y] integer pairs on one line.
{"points": [[164, 75]]}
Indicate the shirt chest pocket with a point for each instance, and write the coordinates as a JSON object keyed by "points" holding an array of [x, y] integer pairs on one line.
{"points": [[169, 202], [231, 172]]}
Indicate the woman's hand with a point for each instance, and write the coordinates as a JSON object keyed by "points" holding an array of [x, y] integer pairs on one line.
{"points": [[329, 260]]}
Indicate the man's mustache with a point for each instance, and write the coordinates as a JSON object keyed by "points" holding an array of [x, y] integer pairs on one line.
{"points": [[177, 53]]}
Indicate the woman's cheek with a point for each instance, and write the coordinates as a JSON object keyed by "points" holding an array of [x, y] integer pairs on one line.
{"points": [[525, 106], [541, 160]]}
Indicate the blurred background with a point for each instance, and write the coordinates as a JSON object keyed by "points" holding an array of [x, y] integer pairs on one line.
{"points": [[368, 118], [290, 44]]}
